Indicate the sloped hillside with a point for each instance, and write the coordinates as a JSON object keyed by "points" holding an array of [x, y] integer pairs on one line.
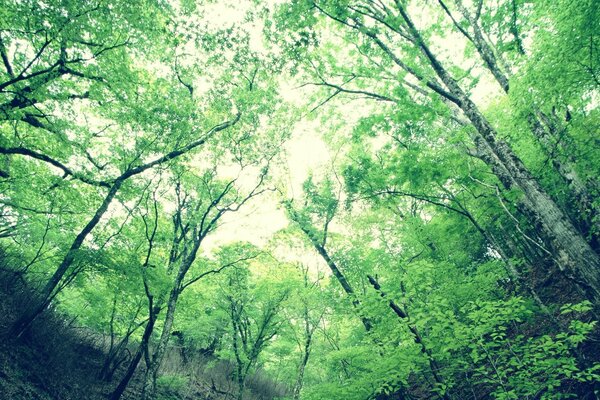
{"points": [[57, 360]]}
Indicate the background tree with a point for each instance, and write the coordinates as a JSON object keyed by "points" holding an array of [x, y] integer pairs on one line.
{"points": [[255, 319]]}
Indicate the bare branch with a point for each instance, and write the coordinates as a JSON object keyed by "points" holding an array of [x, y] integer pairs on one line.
{"points": [[221, 268], [340, 89]]}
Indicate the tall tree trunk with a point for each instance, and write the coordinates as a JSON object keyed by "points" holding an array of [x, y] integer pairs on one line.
{"points": [[339, 276], [403, 315], [240, 378], [308, 331], [176, 289], [483, 47], [161, 347], [241, 386], [572, 253], [118, 392], [50, 289], [300, 378], [582, 197]]}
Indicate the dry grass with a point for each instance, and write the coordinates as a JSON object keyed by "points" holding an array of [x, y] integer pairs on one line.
{"points": [[56, 360]]}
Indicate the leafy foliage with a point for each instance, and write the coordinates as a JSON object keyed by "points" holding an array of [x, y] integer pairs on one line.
{"points": [[449, 248]]}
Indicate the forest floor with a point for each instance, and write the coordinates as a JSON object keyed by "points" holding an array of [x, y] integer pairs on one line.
{"points": [[56, 360], [51, 361]]}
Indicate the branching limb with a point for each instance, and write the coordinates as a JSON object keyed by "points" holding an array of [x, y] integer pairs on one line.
{"points": [[42, 157], [218, 270], [5, 60]]}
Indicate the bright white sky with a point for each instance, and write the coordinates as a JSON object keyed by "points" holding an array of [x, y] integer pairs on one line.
{"points": [[262, 217], [306, 152]]}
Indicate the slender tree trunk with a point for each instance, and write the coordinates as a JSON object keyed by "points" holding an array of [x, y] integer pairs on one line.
{"points": [[118, 392], [300, 378], [241, 379], [49, 290], [161, 347], [241, 386], [308, 331], [332, 266], [105, 372], [402, 314], [483, 48]]}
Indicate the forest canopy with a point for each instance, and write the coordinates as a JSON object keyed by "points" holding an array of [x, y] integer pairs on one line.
{"points": [[300, 199]]}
